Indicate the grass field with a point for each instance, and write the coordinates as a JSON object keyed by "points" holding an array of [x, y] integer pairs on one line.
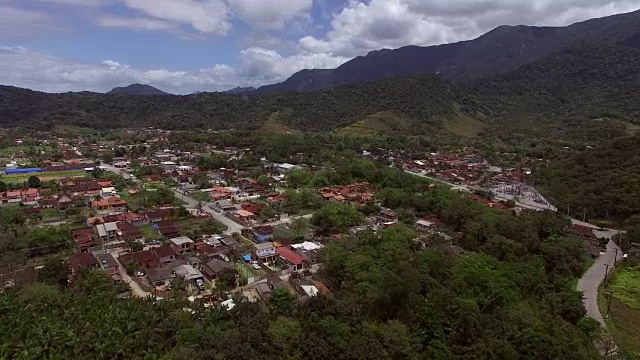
{"points": [[623, 318], [200, 196], [246, 271], [148, 233], [43, 176]]}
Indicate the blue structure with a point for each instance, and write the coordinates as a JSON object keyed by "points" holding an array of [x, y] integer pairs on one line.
{"points": [[22, 171]]}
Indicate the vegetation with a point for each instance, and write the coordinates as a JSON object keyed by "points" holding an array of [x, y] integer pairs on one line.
{"points": [[603, 181], [623, 313], [509, 297]]}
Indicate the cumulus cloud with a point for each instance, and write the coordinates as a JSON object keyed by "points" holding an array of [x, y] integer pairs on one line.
{"points": [[362, 26], [205, 16], [40, 71]]}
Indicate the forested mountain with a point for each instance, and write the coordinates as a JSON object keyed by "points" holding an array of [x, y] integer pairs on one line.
{"points": [[137, 89], [425, 99], [498, 51], [605, 178]]}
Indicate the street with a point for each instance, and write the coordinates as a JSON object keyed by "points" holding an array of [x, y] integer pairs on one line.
{"points": [[591, 280], [233, 227], [136, 290]]}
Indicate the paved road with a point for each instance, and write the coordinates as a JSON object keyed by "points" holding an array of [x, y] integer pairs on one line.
{"points": [[136, 290], [230, 224], [591, 280]]}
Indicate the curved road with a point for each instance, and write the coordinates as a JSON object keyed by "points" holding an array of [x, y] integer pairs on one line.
{"points": [[591, 280]]}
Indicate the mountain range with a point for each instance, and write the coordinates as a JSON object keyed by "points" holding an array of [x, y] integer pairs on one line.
{"points": [[577, 81], [498, 51]]}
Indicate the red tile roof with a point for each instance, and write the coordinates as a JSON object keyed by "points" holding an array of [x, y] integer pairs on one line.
{"points": [[290, 255]]}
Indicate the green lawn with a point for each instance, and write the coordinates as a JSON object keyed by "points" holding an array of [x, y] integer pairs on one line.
{"points": [[200, 196], [50, 214], [149, 233], [44, 176], [245, 270], [623, 318]]}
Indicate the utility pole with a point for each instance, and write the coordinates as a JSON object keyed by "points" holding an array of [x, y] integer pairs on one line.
{"points": [[615, 258], [568, 206], [606, 273], [584, 215]]}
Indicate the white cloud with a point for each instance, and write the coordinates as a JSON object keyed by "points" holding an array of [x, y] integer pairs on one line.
{"points": [[205, 16], [270, 14], [268, 65], [362, 26], [135, 23], [40, 71]]}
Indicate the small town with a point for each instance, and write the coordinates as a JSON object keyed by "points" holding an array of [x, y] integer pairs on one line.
{"points": [[164, 222]]}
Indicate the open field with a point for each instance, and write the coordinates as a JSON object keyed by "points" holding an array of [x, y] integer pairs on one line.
{"points": [[46, 176], [246, 271], [623, 318], [200, 196]]}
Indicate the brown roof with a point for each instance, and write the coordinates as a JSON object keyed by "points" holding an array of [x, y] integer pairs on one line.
{"points": [[164, 251], [82, 260]]}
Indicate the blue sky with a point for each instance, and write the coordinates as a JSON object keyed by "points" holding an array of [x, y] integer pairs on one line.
{"points": [[183, 46]]}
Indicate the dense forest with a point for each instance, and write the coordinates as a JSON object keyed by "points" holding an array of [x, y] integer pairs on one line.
{"points": [[605, 178]]}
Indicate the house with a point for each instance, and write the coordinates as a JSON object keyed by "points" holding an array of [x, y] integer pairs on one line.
{"points": [[190, 274], [263, 233], [83, 239], [145, 259], [244, 215], [168, 229], [48, 203], [265, 252], [230, 242], [134, 219], [166, 254], [250, 186], [290, 258], [79, 261], [108, 264], [161, 276], [108, 191], [309, 251], [215, 267], [423, 225], [387, 215], [264, 291], [128, 232], [107, 232], [224, 205], [64, 202], [109, 204], [284, 167], [182, 245], [154, 216]]}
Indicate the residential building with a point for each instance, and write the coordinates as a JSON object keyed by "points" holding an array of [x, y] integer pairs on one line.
{"points": [[424, 225], [265, 252], [214, 267], [107, 232], [182, 245], [190, 274], [290, 258], [166, 254], [263, 233], [387, 215]]}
